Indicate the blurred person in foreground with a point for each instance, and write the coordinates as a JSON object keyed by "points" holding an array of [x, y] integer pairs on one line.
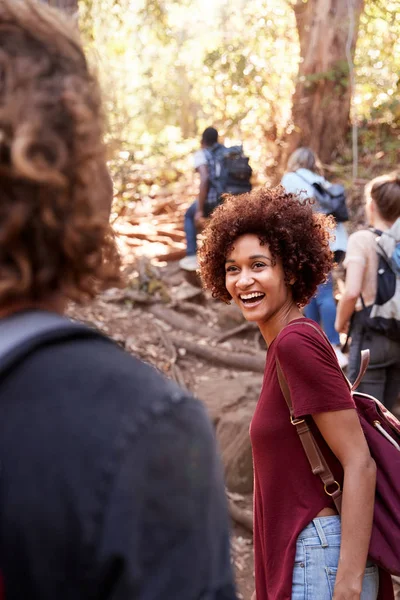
{"points": [[110, 482]]}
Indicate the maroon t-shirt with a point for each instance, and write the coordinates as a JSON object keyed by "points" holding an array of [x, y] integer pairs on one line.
{"points": [[287, 496]]}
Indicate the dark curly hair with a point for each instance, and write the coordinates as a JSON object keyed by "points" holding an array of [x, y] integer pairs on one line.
{"points": [[294, 233], [55, 190]]}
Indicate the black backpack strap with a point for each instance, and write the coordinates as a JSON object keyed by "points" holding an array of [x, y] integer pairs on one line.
{"points": [[23, 332]]}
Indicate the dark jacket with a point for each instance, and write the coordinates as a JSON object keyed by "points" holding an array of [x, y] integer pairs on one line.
{"points": [[110, 486]]}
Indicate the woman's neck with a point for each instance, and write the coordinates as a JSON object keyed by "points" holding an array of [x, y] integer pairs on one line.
{"points": [[271, 328], [381, 224]]}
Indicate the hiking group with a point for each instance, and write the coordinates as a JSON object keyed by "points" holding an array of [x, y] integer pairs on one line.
{"points": [[369, 309], [110, 480]]}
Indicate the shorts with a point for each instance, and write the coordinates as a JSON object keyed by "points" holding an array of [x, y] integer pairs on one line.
{"points": [[316, 562]]}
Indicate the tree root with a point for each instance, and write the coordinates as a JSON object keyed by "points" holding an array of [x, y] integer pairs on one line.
{"points": [[235, 360], [240, 515], [191, 307], [179, 321], [231, 332], [176, 372]]}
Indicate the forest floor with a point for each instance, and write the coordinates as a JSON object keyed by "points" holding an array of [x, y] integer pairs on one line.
{"points": [[204, 345]]}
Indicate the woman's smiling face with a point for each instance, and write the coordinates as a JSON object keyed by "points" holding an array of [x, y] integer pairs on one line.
{"points": [[255, 280]]}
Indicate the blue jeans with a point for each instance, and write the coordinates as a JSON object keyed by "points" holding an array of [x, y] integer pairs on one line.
{"points": [[316, 562], [190, 230], [322, 310]]}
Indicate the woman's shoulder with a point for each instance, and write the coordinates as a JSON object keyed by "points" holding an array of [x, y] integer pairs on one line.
{"points": [[363, 234], [298, 335], [199, 159], [363, 239]]}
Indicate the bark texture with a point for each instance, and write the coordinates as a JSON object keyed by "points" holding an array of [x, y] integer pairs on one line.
{"points": [[321, 102]]}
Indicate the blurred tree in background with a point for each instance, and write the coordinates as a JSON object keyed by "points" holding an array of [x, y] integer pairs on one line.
{"points": [[321, 102], [269, 73]]}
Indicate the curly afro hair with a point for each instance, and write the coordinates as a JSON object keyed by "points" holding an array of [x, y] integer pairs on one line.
{"points": [[294, 233]]}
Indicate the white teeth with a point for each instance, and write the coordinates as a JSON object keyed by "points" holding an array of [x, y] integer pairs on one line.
{"points": [[252, 295]]}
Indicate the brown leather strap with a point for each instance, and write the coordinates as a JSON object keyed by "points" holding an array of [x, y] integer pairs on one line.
{"points": [[318, 464], [315, 457], [284, 387], [364, 366]]}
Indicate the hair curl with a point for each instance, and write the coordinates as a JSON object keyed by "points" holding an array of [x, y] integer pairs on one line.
{"points": [[294, 233], [55, 189]]}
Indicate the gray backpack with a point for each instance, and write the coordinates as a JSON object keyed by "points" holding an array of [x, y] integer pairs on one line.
{"points": [[331, 199], [384, 314]]}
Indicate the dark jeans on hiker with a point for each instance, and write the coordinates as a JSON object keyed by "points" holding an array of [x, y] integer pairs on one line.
{"points": [[382, 378], [190, 230]]}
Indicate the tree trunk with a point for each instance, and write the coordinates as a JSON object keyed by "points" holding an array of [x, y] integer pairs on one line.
{"points": [[321, 102], [70, 6]]}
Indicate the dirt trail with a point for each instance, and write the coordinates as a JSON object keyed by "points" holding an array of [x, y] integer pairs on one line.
{"points": [[202, 344]]}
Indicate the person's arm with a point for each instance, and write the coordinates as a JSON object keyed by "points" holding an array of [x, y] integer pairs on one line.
{"points": [[166, 529], [343, 433], [318, 388], [204, 185], [352, 290]]}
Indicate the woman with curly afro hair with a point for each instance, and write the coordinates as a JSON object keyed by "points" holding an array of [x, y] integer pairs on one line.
{"points": [[267, 251], [98, 495]]}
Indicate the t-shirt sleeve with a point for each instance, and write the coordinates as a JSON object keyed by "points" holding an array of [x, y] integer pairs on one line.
{"points": [[357, 249], [167, 526], [312, 373], [199, 159]]}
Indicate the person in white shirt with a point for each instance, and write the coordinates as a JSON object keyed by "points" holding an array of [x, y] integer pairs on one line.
{"points": [[194, 216], [302, 171]]}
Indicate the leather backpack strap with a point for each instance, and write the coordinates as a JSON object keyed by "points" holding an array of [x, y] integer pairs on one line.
{"points": [[365, 354], [318, 464]]}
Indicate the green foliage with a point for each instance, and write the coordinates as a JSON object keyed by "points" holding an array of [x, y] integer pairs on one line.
{"points": [[378, 62], [172, 67]]}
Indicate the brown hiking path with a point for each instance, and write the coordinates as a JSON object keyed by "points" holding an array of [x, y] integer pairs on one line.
{"points": [[202, 344]]}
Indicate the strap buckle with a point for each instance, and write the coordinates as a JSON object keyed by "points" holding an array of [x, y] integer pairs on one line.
{"points": [[338, 489], [296, 421]]}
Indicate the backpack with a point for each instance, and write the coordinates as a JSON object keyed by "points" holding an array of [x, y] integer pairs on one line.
{"points": [[331, 199], [382, 432], [229, 172], [384, 314]]}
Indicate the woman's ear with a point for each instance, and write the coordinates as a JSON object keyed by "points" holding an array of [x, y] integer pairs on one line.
{"points": [[292, 280]]}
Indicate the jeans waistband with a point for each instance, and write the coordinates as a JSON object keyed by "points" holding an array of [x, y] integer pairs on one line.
{"points": [[321, 527]]}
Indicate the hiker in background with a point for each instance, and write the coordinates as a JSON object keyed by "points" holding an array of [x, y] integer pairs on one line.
{"points": [[195, 214], [302, 176], [110, 482], [222, 170], [267, 252], [371, 299]]}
